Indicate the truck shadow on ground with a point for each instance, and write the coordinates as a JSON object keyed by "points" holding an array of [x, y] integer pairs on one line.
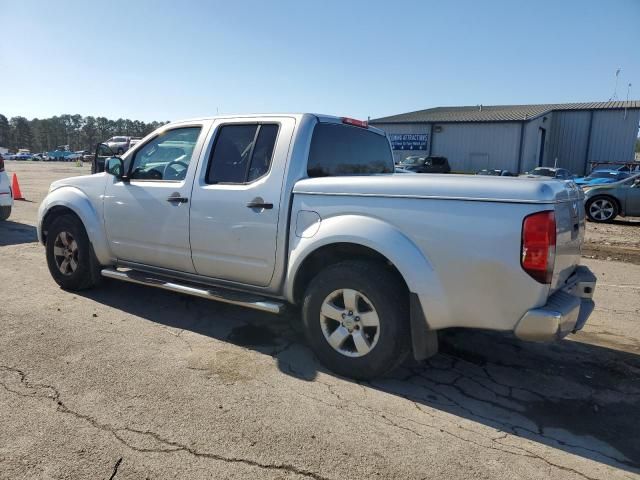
{"points": [[14, 233], [577, 397]]}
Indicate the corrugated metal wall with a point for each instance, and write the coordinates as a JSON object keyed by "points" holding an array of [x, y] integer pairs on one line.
{"points": [[613, 136], [567, 140], [473, 146]]}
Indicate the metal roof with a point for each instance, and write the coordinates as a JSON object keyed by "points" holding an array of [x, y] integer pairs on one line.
{"points": [[497, 113]]}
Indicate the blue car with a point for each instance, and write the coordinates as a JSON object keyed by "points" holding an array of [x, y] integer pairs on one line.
{"points": [[601, 177]]}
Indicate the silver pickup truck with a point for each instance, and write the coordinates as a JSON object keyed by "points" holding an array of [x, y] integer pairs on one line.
{"points": [[269, 210]]}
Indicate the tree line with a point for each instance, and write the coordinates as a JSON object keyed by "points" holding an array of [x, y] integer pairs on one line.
{"points": [[80, 133]]}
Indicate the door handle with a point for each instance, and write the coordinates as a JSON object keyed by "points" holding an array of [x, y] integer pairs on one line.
{"points": [[259, 204], [177, 199]]}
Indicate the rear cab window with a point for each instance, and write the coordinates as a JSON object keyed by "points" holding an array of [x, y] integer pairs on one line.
{"points": [[338, 149]]}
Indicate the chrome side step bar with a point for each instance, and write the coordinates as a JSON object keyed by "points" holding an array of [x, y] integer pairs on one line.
{"points": [[211, 293]]}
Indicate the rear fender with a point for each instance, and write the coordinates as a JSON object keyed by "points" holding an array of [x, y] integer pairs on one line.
{"points": [[378, 235]]}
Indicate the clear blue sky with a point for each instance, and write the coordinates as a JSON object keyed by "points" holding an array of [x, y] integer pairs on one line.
{"points": [[166, 60]]}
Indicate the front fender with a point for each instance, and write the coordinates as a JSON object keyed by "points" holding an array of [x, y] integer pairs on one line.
{"points": [[77, 201], [378, 235]]}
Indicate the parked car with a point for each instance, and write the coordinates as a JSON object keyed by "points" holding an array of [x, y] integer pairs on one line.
{"points": [[602, 177], [425, 164], [134, 141], [560, 173], [261, 211], [121, 144], [605, 202], [626, 167], [494, 172], [21, 156], [63, 153], [38, 157], [6, 195]]}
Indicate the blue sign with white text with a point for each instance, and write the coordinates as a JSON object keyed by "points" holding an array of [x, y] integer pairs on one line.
{"points": [[409, 141]]}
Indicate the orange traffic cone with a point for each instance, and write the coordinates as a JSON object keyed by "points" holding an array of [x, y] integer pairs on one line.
{"points": [[15, 187]]}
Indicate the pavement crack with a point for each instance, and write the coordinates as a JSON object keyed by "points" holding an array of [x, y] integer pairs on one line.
{"points": [[166, 445], [115, 469]]}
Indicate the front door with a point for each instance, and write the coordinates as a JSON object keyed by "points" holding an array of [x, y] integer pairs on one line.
{"points": [[147, 217], [236, 200]]}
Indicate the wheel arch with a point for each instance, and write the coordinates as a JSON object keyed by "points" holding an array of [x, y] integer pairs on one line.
{"points": [[356, 236], [72, 201]]}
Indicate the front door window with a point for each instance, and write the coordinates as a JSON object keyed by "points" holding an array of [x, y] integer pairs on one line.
{"points": [[167, 156]]}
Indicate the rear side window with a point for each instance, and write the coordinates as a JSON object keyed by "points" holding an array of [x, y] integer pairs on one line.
{"points": [[242, 153], [344, 150]]}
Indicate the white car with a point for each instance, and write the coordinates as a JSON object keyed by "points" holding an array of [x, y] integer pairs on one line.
{"points": [[265, 210], [6, 196]]}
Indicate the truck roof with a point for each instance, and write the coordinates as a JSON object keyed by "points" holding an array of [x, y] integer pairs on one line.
{"points": [[298, 116]]}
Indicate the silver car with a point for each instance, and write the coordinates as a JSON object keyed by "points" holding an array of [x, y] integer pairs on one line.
{"points": [[605, 202], [119, 144]]}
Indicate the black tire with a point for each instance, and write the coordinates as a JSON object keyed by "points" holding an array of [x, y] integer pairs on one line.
{"points": [[87, 271], [5, 212], [386, 295], [602, 215], [120, 151]]}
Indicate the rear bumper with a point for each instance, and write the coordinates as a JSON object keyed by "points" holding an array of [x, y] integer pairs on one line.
{"points": [[566, 311]]}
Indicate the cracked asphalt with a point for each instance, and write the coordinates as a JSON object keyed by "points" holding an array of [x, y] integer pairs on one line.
{"points": [[130, 382]]}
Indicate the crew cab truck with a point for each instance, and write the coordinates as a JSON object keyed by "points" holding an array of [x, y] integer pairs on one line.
{"points": [[269, 210]]}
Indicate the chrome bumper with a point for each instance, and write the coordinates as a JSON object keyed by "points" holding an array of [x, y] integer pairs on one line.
{"points": [[566, 311]]}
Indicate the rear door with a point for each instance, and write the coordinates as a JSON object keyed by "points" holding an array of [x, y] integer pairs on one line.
{"points": [[236, 199]]}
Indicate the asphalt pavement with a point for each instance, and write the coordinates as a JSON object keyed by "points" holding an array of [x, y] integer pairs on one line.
{"points": [[126, 381]]}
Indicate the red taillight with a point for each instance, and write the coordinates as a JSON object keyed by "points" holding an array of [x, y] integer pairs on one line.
{"points": [[355, 123], [539, 245]]}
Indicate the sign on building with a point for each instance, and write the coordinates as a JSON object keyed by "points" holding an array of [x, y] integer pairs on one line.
{"points": [[409, 141]]}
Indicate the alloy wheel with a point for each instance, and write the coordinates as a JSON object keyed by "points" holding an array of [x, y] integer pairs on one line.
{"points": [[65, 252], [349, 322], [601, 209]]}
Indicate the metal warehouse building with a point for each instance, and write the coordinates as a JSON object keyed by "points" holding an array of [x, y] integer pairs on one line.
{"points": [[518, 137]]}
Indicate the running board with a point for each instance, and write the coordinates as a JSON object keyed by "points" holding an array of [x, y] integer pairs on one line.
{"points": [[211, 293]]}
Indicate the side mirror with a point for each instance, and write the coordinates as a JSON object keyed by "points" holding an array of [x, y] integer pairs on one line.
{"points": [[114, 166]]}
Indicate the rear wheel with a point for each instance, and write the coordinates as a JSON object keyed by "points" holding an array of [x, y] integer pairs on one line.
{"points": [[5, 212], [602, 209], [356, 319], [70, 256]]}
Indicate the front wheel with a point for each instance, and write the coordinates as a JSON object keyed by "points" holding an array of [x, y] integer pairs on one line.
{"points": [[602, 209], [70, 256], [356, 319], [5, 212]]}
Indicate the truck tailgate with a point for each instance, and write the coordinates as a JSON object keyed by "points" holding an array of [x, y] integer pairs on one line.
{"points": [[570, 227]]}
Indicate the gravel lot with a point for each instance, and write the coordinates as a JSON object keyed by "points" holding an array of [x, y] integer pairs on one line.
{"points": [[130, 382]]}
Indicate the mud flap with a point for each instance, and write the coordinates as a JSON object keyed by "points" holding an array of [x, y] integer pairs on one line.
{"points": [[424, 342]]}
